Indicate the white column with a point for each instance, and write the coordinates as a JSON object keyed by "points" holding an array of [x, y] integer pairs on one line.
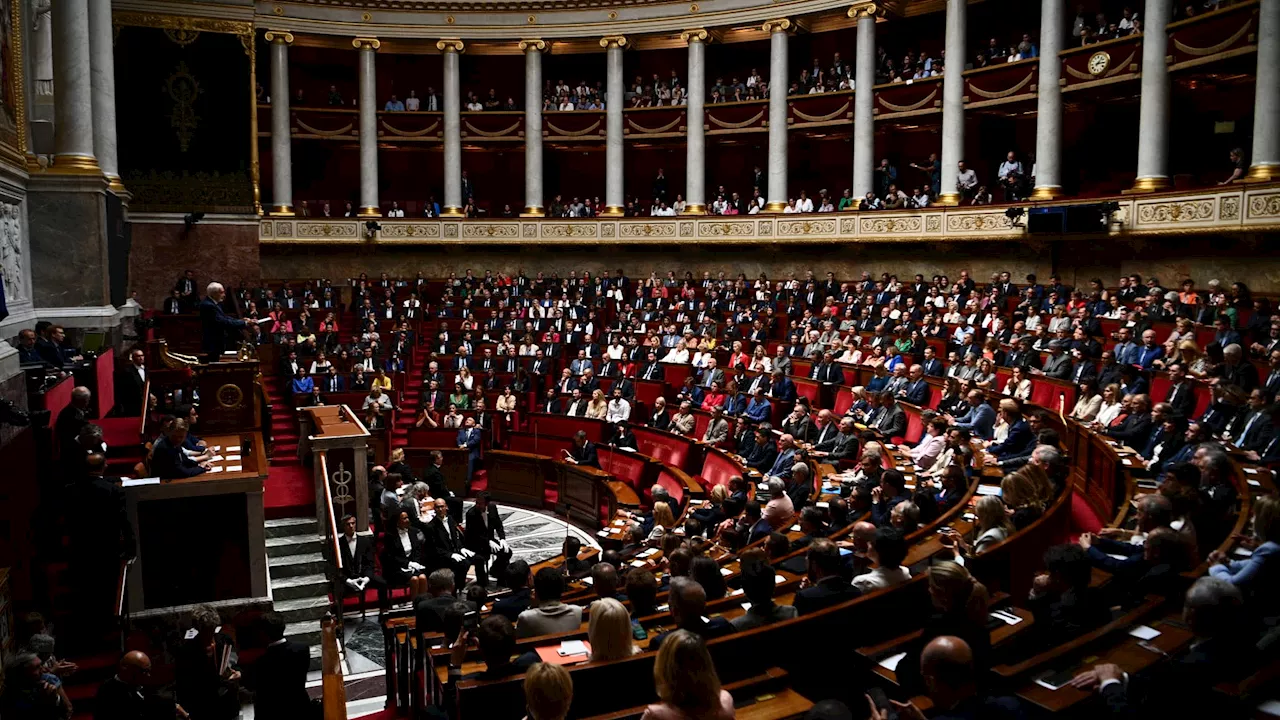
{"points": [[615, 91], [953, 101], [73, 94], [1266, 102], [42, 47], [533, 192], [1048, 165], [1153, 113], [864, 131], [777, 191], [451, 47], [370, 205], [102, 73], [695, 186], [281, 142]]}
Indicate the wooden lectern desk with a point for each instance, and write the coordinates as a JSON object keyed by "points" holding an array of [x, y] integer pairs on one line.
{"points": [[337, 432], [202, 539]]}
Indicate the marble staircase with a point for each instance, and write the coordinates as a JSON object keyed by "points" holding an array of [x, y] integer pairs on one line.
{"points": [[297, 575]]}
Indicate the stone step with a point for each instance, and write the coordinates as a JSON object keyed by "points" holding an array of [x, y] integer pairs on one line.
{"points": [[284, 527], [302, 609], [317, 662], [293, 545], [300, 586], [306, 632], [295, 565]]}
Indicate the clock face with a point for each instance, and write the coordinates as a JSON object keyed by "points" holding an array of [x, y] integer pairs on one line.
{"points": [[1098, 63], [230, 396]]}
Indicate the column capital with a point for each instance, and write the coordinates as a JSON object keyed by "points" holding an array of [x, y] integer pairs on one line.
{"points": [[448, 45], [857, 11], [362, 43], [533, 45], [609, 41], [778, 25], [278, 37], [695, 35]]}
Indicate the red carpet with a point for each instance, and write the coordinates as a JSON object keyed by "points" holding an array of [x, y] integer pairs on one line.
{"points": [[289, 492]]}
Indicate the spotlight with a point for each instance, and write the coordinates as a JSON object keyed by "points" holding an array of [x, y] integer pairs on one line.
{"points": [[191, 218], [371, 228], [1015, 216]]}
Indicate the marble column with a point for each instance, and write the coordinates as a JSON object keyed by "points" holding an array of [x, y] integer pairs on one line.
{"points": [[953, 101], [1048, 164], [1153, 113], [864, 131], [370, 205], [695, 186], [102, 75], [281, 141], [1266, 102], [73, 112], [452, 47], [615, 92], [533, 192], [776, 200]]}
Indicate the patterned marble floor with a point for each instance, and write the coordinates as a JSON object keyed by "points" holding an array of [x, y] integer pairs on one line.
{"points": [[533, 536]]}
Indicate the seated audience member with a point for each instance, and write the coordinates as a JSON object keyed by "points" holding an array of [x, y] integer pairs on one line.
{"points": [[547, 614], [642, 592], [685, 678], [757, 577], [800, 486], [779, 510], [959, 609], [688, 602], [548, 692], [517, 601], [991, 527], [609, 631], [951, 678], [30, 692], [886, 496], [128, 694], [887, 551], [496, 640], [1256, 576], [1064, 604], [168, 460], [358, 569], [403, 550], [827, 585], [1223, 650], [706, 572], [605, 580], [429, 609]]}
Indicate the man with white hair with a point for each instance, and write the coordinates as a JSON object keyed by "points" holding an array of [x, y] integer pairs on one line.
{"points": [[216, 324]]}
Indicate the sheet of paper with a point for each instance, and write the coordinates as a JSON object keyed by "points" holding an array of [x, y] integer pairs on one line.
{"points": [[739, 591], [891, 662], [746, 606], [726, 572], [822, 504], [1144, 632], [215, 469], [1007, 618], [1243, 552], [234, 468], [778, 579], [572, 647], [989, 490], [138, 482], [637, 563], [795, 528], [232, 457], [1253, 483]]}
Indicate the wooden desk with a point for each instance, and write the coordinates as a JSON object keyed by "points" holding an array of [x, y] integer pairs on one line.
{"points": [[202, 538]]}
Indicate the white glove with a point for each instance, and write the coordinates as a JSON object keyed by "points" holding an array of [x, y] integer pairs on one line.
{"points": [[415, 566], [354, 584], [504, 545], [495, 546], [468, 553], [457, 557]]}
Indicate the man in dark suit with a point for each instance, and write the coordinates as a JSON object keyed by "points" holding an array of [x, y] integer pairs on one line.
{"points": [[827, 585], [444, 548], [127, 695], [583, 452], [185, 287], [687, 603], [358, 569], [551, 404], [1136, 426], [469, 440], [827, 372], [1058, 364], [486, 537], [101, 536], [1181, 395], [893, 421], [71, 419], [215, 324], [916, 389], [279, 677], [1064, 605], [1020, 437], [429, 609], [517, 601], [651, 370], [130, 383], [168, 461]]}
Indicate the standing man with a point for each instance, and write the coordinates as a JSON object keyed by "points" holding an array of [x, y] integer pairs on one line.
{"points": [[279, 677], [215, 324], [469, 440], [486, 537]]}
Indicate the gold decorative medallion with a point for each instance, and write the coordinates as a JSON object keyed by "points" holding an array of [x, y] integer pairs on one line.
{"points": [[230, 396], [1099, 62]]}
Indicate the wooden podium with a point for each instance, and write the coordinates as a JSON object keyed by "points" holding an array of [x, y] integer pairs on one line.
{"points": [[337, 432], [202, 539]]}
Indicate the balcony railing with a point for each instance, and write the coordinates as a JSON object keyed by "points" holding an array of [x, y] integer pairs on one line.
{"points": [[1243, 208]]}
